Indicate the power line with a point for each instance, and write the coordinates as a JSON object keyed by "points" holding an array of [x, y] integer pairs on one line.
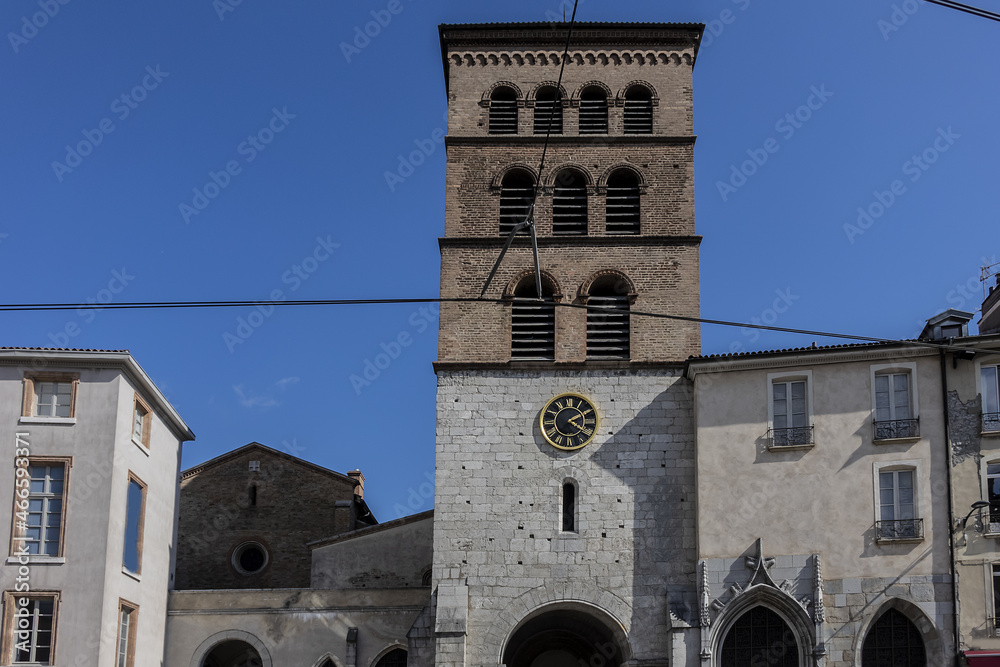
{"points": [[968, 9], [152, 305]]}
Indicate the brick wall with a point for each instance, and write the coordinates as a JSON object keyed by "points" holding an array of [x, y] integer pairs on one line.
{"points": [[296, 503]]}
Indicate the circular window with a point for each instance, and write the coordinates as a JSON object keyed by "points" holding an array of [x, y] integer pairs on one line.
{"points": [[249, 558]]}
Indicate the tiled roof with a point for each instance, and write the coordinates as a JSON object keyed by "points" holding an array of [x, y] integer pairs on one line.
{"points": [[792, 350], [63, 349]]}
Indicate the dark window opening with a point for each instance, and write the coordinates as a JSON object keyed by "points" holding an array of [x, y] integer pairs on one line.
{"points": [[252, 559], [427, 578], [548, 111], [394, 658], [593, 111], [893, 640], [503, 111], [623, 203], [608, 322], [517, 191], [253, 495], [638, 110], [569, 204], [761, 637], [569, 507], [533, 323]]}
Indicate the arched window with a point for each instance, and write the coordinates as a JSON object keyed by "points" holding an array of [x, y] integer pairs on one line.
{"points": [[638, 110], [569, 204], [533, 322], [548, 111], [608, 319], [503, 111], [760, 637], [517, 190], [593, 111], [328, 663], [893, 640], [394, 658], [623, 203]]}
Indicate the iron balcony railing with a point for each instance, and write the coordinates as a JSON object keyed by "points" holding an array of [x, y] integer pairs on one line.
{"points": [[899, 529], [897, 428], [993, 626], [991, 422], [795, 436]]}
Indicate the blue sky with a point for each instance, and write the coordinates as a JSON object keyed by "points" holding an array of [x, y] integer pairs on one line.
{"points": [[231, 150]]}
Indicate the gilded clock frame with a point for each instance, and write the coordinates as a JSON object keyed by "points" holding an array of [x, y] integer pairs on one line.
{"points": [[570, 394]]}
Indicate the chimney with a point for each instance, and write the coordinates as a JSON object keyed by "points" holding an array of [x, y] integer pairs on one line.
{"points": [[356, 475], [990, 321]]}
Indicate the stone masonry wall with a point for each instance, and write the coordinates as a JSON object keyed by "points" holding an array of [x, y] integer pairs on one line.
{"points": [[497, 505]]}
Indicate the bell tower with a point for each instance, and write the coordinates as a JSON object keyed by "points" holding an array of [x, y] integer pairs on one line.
{"points": [[564, 500]]}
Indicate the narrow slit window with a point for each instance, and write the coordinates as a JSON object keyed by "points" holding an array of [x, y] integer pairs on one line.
{"points": [[623, 203], [593, 111], [503, 111], [548, 111], [253, 495], [569, 508], [569, 204], [638, 110], [533, 323], [517, 190]]}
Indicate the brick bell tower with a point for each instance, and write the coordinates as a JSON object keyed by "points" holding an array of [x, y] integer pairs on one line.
{"points": [[564, 501]]}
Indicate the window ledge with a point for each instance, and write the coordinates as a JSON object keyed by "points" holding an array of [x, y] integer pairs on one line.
{"points": [[129, 573], [899, 540], [142, 447], [47, 420], [990, 434], [897, 441], [991, 534], [35, 559], [790, 448]]}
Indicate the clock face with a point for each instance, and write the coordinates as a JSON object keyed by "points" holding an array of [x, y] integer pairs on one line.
{"points": [[569, 421]]}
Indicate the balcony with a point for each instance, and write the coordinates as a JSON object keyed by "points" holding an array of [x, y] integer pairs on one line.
{"points": [[896, 429], [991, 422], [993, 626], [790, 438], [899, 530]]}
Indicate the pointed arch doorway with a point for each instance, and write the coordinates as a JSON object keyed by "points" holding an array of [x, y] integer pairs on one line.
{"points": [[565, 637]]}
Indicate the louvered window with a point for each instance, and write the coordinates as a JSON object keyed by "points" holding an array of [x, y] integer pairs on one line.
{"points": [[516, 193], [608, 322], [638, 111], [623, 203], [569, 204], [593, 111], [548, 111], [533, 323], [503, 111]]}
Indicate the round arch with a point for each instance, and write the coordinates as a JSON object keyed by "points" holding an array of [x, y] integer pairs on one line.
{"points": [[550, 179], [567, 630], [497, 183], [548, 280], [602, 183], [933, 643], [209, 644], [620, 97], [533, 93], [787, 609], [592, 84], [603, 274], [488, 94]]}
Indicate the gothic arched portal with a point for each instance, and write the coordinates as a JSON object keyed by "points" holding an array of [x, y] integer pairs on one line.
{"points": [[760, 637], [563, 638], [233, 654]]}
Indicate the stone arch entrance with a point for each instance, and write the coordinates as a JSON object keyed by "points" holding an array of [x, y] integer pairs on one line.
{"points": [[566, 636], [233, 653], [759, 637]]}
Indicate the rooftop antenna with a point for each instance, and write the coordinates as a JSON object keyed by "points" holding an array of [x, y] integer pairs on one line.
{"points": [[529, 221], [987, 271]]}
